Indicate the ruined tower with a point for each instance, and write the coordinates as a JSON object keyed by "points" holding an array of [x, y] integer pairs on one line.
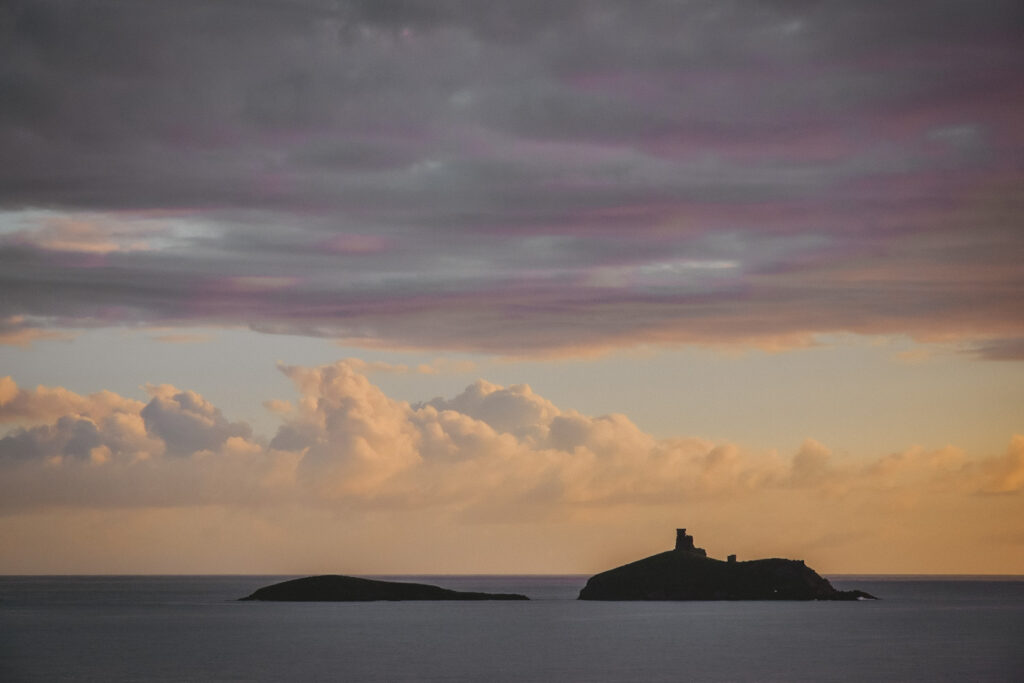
{"points": [[684, 543]]}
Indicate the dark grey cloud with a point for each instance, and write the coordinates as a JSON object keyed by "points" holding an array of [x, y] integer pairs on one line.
{"points": [[153, 104], [69, 436], [1002, 349], [187, 423], [535, 174]]}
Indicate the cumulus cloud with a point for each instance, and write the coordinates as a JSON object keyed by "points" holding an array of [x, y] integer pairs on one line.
{"points": [[353, 438], [75, 439], [530, 179], [489, 455], [187, 423], [515, 410], [346, 442], [43, 404], [811, 462], [1006, 474]]}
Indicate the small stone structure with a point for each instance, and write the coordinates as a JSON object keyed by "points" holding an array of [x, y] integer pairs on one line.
{"points": [[684, 543], [731, 558]]}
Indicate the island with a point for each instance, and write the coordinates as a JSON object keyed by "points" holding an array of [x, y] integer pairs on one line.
{"points": [[335, 588], [687, 573]]}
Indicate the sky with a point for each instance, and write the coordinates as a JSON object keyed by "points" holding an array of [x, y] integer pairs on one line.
{"points": [[397, 286]]}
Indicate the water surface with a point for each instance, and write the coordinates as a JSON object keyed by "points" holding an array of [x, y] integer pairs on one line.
{"points": [[177, 628]]}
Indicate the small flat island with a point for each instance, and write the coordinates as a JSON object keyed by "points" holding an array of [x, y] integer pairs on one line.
{"points": [[335, 588], [687, 573]]}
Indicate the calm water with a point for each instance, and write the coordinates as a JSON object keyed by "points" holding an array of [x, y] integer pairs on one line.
{"points": [[125, 628]]}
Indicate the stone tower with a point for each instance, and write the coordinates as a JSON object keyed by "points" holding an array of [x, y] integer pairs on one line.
{"points": [[684, 543]]}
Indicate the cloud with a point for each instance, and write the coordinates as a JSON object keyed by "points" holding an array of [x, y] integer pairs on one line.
{"points": [[187, 423], [1006, 474], [515, 410], [100, 234], [811, 462], [77, 438], [353, 437], [435, 367], [1002, 349], [70, 436], [182, 338], [278, 406], [346, 442], [548, 178], [44, 404], [491, 455], [16, 330]]}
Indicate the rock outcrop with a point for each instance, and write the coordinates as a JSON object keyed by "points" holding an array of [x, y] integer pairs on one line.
{"points": [[686, 573], [335, 588]]}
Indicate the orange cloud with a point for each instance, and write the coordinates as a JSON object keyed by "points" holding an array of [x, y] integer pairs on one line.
{"points": [[87, 233], [16, 330], [50, 403], [1006, 474], [182, 338], [491, 454]]}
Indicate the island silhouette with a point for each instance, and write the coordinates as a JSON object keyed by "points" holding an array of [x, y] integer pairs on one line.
{"points": [[337, 588], [687, 573], [683, 573]]}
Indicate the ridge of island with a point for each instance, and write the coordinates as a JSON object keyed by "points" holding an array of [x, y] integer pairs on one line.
{"points": [[337, 588], [687, 573]]}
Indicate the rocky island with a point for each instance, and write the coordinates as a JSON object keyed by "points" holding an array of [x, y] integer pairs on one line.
{"points": [[687, 573], [335, 588]]}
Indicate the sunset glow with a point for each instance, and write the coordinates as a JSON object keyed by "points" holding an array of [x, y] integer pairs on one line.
{"points": [[459, 287]]}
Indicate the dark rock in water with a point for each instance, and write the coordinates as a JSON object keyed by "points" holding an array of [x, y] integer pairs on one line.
{"points": [[687, 574], [334, 588]]}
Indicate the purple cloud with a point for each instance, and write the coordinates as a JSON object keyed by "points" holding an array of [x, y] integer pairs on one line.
{"points": [[529, 178]]}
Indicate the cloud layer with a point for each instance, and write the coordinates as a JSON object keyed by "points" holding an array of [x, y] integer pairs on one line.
{"points": [[521, 179], [491, 455]]}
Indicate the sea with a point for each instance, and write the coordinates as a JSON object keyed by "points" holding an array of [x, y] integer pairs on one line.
{"points": [[193, 628]]}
